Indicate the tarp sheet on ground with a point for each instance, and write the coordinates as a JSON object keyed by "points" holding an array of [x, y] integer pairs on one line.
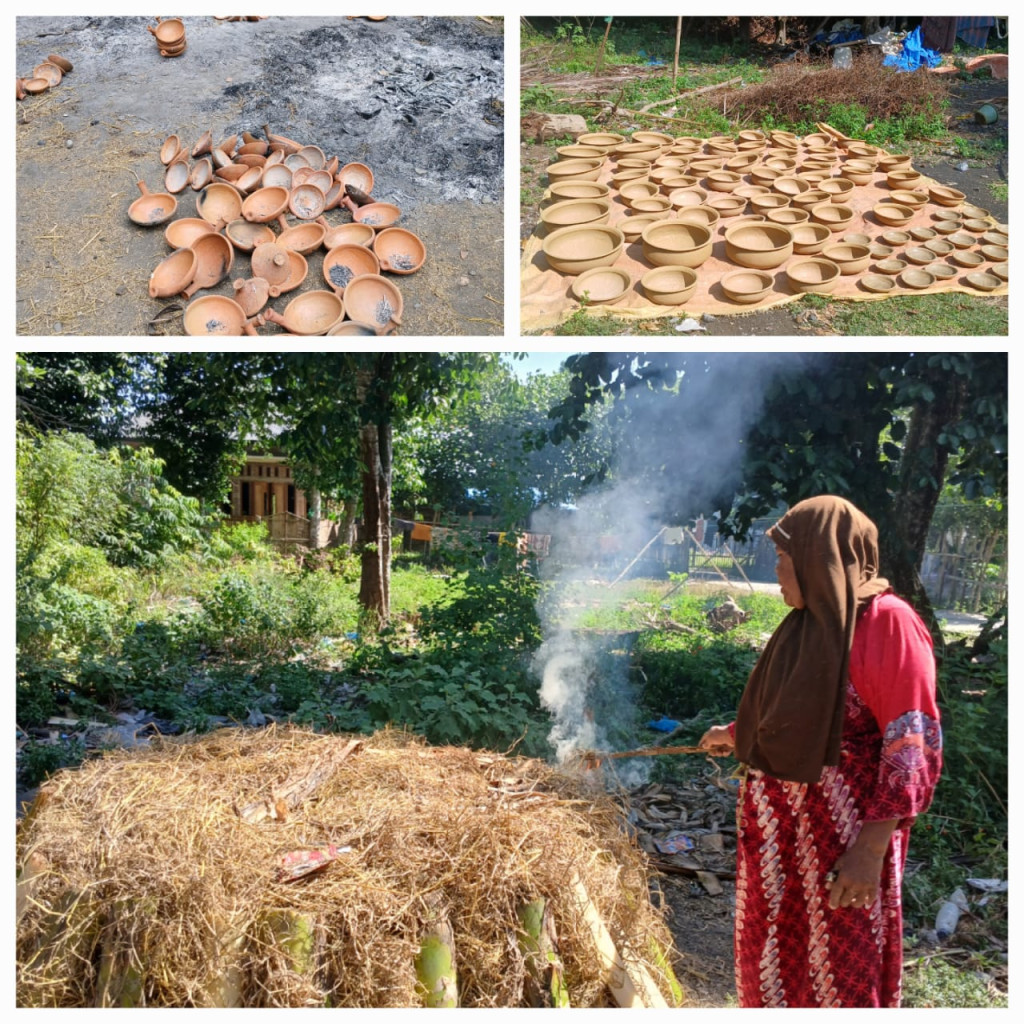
{"points": [[547, 299]]}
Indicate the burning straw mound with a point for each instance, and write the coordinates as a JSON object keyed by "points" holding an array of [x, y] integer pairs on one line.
{"points": [[167, 876]]}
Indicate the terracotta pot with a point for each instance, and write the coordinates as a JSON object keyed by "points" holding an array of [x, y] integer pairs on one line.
{"points": [[307, 202], [50, 72], [372, 299], [250, 180], [727, 205], [270, 261], [250, 160], [809, 238], [578, 190], [334, 195], [62, 62], [358, 175], [298, 268], [747, 286], [251, 294], [669, 286], [170, 149], [345, 262], [785, 164], [602, 284], [214, 256], [624, 177], [704, 216], [181, 233], [265, 204], [350, 328], [231, 172], [173, 274], [674, 243], [219, 203], [859, 175], [19, 88], [892, 215], [175, 52], [302, 238], [759, 246], [678, 181], [221, 159], [202, 174], [310, 314], [575, 249], [681, 198], [834, 216], [355, 234], [204, 145], [245, 235], [814, 275], [851, 259], [578, 152], [399, 251], [177, 175], [945, 196], [215, 314], [168, 32], [377, 215], [153, 208], [276, 176], [281, 140]]}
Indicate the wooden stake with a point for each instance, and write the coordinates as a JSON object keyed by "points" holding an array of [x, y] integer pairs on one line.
{"points": [[604, 42], [675, 66]]}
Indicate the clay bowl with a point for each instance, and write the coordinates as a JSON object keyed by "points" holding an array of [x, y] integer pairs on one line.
{"points": [[908, 197], [350, 328], [632, 227], [177, 176], [170, 149], [276, 176], [857, 238], [835, 216], [62, 62], [399, 251], [345, 262], [246, 235], [916, 277], [705, 216], [970, 210], [669, 286], [749, 191], [574, 189], [168, 33], [1001, 270], [790, 185], [742, 162], [894, 162], [903, 179], [673, 243], [949, 227], [215, 314], [219, 203], [152, 208], [891, 267], [808, 200], [297, 270], [173, 51], [995, 237], [878, 250], [859, 172], [201, 175], [214, 257], [251, 294], [314, 156], [356, 234], [652, 138], [307, 202], [372, 299], [250, 180], [573, 250], [961, 239], [307, 176], [772, 201], [271, 262], [678, 181], [781, 163], [230, 173], [310, 314], [624, 177], [877, 283], [995, 253], [579, 152], [602, 284], [50, 72], [983, 282], [173, 274], [812, 275], [181, 233], [976, 225], [334, 195], [892, 215], [576, 211], [723, 181], [377, 215], [574, 170], [637, 190], [809, 239], [939, 246], [765, 175], [293, 161], [302, 238], [747, 286], [727, 205], [944, 196], [265, 204], [788, 215], [966, 258], [605, 140], [941, 270], [815, 177], [35, 85], [896, 237], [850, 258], [652, 204], [759, 246], [918, 255], [682, 198], [839, 189], [863, 151]]}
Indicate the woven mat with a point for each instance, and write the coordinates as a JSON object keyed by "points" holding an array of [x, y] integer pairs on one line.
{"points": [[546, 299]]}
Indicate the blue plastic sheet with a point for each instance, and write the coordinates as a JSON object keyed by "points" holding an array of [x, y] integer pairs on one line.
{"points": [[913, 55]]}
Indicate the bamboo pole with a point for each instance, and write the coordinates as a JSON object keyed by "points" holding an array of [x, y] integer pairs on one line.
{"points": [[675, 66], [436, 976], [536, 940], [638, 557], [604, 43]]}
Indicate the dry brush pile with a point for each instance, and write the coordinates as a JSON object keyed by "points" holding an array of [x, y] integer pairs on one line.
{"points": [[285, 868]]}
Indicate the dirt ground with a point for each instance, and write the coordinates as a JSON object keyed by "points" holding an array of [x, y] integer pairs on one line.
{"points": [[419, 100], [795, 320]]}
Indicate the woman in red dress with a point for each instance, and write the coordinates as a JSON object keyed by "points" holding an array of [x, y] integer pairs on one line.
{"points": [[839, 728]]}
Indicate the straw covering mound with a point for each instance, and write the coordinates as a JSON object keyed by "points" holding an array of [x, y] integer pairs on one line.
{"points": [[172, 876]]}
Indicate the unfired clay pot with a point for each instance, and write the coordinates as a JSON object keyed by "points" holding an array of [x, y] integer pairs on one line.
{"points": [[345, 262], [575, 249], [215, 314], [747, 286], [602, 284], [153, 208], [312, 313], [674, 244], [669, 286], [813, 275], [372, 299], [759, 246], [214, 256], [173, 274], [399, 251]]}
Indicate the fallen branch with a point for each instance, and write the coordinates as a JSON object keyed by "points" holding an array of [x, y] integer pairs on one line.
{"points": [[692, 92]]}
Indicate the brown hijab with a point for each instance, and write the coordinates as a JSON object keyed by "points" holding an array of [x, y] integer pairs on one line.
{"points": [[790, 717]]}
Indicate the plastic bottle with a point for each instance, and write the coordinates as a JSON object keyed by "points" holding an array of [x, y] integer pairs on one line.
{"points": [[949, 914]]}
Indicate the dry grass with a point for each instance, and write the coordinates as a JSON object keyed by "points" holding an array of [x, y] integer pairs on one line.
{"points": [[150, 888]]}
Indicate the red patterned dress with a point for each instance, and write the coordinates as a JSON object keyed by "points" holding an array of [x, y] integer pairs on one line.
{"points": [[791, 949]]}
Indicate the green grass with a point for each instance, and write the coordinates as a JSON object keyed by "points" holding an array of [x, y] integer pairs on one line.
{"points": [[950, 313], [1000, 190]]}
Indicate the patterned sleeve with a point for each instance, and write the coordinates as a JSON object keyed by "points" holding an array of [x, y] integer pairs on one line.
{"points": [[892, 667]]}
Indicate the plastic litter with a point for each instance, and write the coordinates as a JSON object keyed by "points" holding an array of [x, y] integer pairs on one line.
{"points": [[842, 58], [949, 913], [664, 724], [913, 54]]}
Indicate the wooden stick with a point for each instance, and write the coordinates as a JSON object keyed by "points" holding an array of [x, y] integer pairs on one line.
{"points": [[638, 557], [691, 92], [604, 42], [675, 66]]}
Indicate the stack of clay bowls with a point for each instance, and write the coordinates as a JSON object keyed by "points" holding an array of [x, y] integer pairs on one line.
{"points": [[242, 211], [170, 37], [44, 76]]}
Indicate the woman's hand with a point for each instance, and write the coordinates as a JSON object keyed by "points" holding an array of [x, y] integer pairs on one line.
{"points": [[858, 871], [718, 740]]}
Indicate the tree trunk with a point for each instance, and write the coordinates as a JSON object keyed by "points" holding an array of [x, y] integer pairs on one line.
{"points": [[375, 578], [314, 518], [348, 522]]}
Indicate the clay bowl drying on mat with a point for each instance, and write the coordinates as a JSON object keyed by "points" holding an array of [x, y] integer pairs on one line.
{"points": [[637, 190], [173, 274], [919, 255], [813, 275], [727, 205], [652, 204], [215, 314], [970, 210], [941, 271], [971, 224], [967, 258], [673, 243], [949, 227], [838, 189], [170, 149], [860, 173], [781, 163], [895, 162], [575, 249], [808, 200], [759, 246], [851, 259], [569, 170], [916, 277], [892, 214], [602, 284], [302, 238], [345, 262], [399, 251], [1001, 270], [809, 238], [377, 215], [574, 189], [748, 191], [181, 233], [747, 286], [877, 283], [742, 162], [835, 216], [678, 181], [723, 181], [983, 282], [681, 198], [265, 204], [669, 286], [939, 246], [632, 227], [343, 234], [903, 179], [764, 175], [177, 175], [219, 203], [863, 151], [309, 314], [995, 253], [307, 202], [891, 266], [772, 201], [994, 237], [788, 215], [152, 208], [908, 197], [653, 138], [576, 211], [944, 196], [214, 257], [707, 216], [623, 177], [789, 185], [251, 294], [580, 153], [372, 299], [922, 234], [896, 237], [961, 239], [606, 140], [857, 238], [878, 250]]}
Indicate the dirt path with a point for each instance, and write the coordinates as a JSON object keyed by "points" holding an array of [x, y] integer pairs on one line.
{"points": [[419, 100]]}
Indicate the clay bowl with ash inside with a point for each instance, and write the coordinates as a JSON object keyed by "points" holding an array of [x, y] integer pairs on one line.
{"points": [[372, 299], [173, 274], [246, 235], [575, 249], [673, 243], [307, 202], [399, 251], [576, 211], [181, 233], [602, 284], [747, 286], [310, 314], [817, 275], [215, 315], [669, 286], [345, 262], [759, 246], [219, 203], [809, 239], [152, 208], [849, 257], [377, 215], [574, 189]]}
